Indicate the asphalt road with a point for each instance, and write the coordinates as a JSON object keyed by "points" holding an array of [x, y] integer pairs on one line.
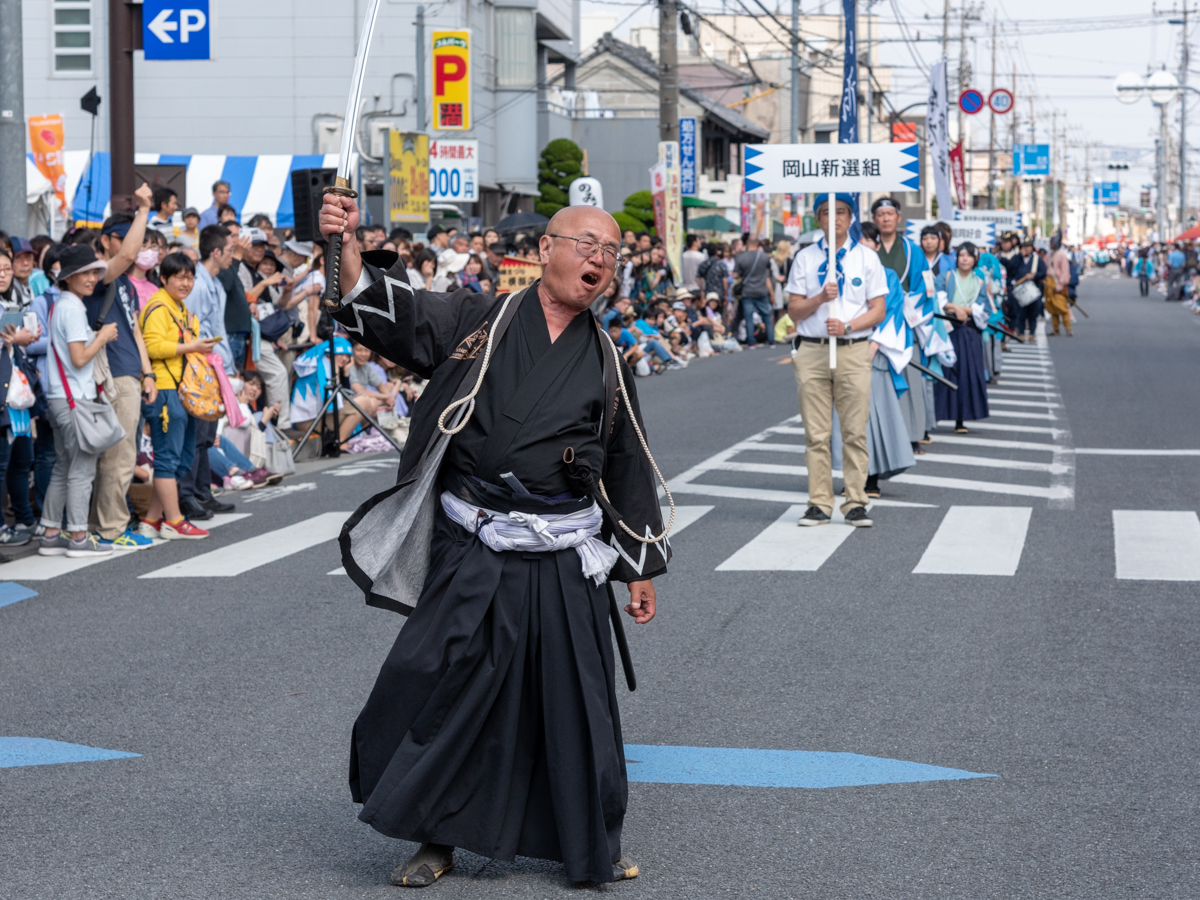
{"points": [[1075, 688]]}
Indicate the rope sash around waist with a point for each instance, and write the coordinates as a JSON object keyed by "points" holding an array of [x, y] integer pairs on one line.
{"points": [[538, 534]]}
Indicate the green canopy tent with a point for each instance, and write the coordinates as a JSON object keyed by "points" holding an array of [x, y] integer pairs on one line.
{"points": [[711, 223]]}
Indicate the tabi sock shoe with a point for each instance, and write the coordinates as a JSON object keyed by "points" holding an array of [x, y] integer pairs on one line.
{"points": [[624, 869], [425, 866]]}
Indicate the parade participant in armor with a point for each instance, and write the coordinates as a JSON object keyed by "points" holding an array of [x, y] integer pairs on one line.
{"points": [[525, 483]]}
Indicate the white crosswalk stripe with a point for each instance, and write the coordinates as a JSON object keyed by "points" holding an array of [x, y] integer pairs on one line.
{"points": [[234, 559], [43, 568], [977, 540], [1156, 545], [784, 546]]}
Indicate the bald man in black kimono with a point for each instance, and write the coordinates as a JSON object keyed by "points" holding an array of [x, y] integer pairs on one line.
{"points": [[493, 725]]}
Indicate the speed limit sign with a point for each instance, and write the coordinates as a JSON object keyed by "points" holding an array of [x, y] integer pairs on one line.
{"points": [[1000, 100]]}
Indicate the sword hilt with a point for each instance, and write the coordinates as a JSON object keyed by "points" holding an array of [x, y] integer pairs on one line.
{"points": [[332, 297]]}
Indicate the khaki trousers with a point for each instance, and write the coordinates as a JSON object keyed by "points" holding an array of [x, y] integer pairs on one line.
{"points": [[848, 387], [114, 471]]}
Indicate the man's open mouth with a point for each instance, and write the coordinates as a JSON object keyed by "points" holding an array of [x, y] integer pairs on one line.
{"points": [[591, 279]]}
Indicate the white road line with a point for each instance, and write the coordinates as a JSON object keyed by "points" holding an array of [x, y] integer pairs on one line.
{"points": [[1157, 545], [1055, 433], [968, 440], [1044, 383], [43, 568], [768, 469], [786, 429], [988, 487], [340, 570], [1006, 414], [977, 540], [258, 550], [773, 448], [769, 495], [987, 462], [685, 516], [1108, 451], [1030, 393], [1040, 404], [784, 546]]}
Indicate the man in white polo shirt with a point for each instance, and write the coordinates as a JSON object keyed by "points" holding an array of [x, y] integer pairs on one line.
{"points": [[821, 316]]}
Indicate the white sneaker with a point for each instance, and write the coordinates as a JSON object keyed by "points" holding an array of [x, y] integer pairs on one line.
{"points": [[238, 483]]}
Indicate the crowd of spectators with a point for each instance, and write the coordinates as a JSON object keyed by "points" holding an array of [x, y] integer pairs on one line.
{"points": [[183, 328]]}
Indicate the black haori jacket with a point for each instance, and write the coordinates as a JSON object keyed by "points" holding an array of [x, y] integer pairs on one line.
{"points": [[441, 337]]}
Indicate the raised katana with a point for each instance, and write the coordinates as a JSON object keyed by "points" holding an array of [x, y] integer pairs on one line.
{"points": [[332, 298]]}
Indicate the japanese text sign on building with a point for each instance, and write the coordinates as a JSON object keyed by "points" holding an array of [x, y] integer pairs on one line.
{"points": [[451, 80], [408, 177], [688, 133], [454, 171], [172, 30], [516, 274], [1031, 159], [1004, 219], [825, 168]]}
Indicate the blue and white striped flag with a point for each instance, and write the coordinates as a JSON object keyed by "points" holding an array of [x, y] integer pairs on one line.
{"points": [[848, 117]]}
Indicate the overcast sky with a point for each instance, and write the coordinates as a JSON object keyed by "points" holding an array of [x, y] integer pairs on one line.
{"points": [[1067, 61]]}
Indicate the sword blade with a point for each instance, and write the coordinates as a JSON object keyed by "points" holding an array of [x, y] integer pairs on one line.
{"points": [[354, 101]]}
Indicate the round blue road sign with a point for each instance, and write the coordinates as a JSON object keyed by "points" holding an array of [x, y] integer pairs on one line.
{"points": [[970, 101]]}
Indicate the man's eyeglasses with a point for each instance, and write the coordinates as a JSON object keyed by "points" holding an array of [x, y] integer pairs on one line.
{"points": [[586, 247]]}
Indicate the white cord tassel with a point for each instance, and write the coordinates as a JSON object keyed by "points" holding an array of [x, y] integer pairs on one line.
{"points": [[470, 398], [646, 449]]}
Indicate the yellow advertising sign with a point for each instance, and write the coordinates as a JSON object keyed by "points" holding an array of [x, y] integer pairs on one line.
{"points": [[451, 80], [408, 177]]}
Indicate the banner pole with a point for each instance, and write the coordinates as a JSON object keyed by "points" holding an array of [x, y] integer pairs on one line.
{"points": [[831, 268]]}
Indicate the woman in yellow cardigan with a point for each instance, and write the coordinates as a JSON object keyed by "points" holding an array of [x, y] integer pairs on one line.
{"points": [[170, 333]]}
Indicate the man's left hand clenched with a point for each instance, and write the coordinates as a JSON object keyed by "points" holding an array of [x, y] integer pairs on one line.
{"points": [[641, 601]]}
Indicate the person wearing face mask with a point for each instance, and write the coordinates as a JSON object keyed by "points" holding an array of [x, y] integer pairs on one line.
{"points": [[147, 259]]}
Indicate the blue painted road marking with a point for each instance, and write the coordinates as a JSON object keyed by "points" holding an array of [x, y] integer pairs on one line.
{"points": [[11, 592], [776, 768], [28, 751]]}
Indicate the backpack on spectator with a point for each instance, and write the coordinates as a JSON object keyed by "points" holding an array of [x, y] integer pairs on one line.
{"points": [[199, 390]]}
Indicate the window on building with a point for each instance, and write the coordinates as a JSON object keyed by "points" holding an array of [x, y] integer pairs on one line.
{"points": [[516, 48], [73, 36]]}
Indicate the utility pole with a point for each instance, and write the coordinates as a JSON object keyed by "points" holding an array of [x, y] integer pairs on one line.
{"points": [[1033, 188], [1183, 74], [1053, 204], [1163, 231], [946, 31], [991, 190], [1014, 193], [420, 29], [794, 135], [120, 106], [1087, 187], [668, 71], [13, 209]]}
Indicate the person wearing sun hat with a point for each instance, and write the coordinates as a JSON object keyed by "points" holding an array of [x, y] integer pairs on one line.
{"points": [[843, 308], [73, 347]]}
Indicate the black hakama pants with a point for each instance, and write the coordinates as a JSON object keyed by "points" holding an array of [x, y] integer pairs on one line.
{"points": [[493, 725], [969, 403]]}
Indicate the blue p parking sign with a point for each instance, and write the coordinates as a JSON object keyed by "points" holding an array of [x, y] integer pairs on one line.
{"points": [[176, 29]]}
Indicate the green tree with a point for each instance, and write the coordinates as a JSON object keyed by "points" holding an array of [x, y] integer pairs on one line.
{"points": [[638, 213], [561, 163]]}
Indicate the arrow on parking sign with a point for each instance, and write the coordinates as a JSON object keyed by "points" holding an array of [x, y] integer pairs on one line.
{"points": [[172, 32]]}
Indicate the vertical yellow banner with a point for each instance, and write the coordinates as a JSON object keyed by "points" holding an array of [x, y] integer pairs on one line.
{"points": [[408, 177], [451, 80]]}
